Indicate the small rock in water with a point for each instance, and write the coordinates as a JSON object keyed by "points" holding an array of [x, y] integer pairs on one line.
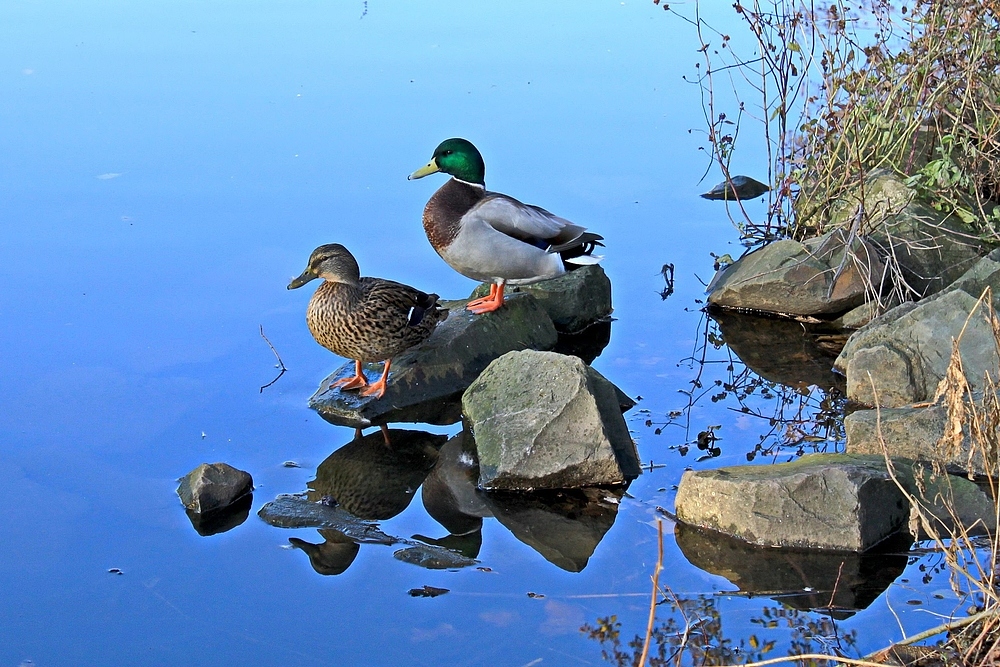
{"points": [[741, 187], [291, 464], [433, 558], [211, 486], [427, 592]]}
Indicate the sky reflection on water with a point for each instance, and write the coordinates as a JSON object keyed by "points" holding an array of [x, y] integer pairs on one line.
{"points": [[166, 167]]}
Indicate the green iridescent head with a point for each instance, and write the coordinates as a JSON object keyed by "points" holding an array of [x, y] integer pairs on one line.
{"points": [[457, 157]]}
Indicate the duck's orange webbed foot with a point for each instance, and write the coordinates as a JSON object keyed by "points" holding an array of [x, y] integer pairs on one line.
{"points": [[377, 389], [489, 303], [357, 382]]}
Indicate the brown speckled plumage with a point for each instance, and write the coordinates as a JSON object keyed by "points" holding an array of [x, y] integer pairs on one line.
{"points": [[364, 319], [369, 321]]}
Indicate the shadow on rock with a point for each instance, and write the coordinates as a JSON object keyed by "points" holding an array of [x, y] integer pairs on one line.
{"points": [[782, 351], [373, 480], [840, 583], [565, 527], [223, 519], [333, 556]]}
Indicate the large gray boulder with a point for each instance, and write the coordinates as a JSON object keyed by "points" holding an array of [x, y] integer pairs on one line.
{"points": [[543, 420], [912, 433], [213, 486], [426, 382], [821, 501], [901, 357], [824, 276], [931, 248]]}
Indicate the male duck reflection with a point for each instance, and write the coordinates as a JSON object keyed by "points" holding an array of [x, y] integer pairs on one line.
{"points": [[364, 319], [494, 238]]}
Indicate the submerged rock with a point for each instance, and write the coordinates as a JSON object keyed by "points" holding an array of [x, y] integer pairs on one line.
{"points": [[433, 557], [824, 276], [427, 381], [548, 421], [297, 512], [211, 486], [822, 501]]}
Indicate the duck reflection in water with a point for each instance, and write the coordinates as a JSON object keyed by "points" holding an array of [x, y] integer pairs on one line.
{"points": [[374, 481], [331, 557]]}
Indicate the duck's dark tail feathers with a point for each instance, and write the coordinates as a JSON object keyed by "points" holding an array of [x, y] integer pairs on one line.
{"points": [[580, 250], [425, 307]]}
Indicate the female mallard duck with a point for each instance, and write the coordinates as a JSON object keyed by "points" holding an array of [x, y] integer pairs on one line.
{"points": [[365, 319], [494, 238]]}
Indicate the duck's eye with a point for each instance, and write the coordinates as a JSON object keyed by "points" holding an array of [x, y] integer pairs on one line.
{"points": [[448, 152]]}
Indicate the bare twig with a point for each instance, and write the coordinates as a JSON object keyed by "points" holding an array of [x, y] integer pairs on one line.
{"points": [[280, 365], [656, 594]]}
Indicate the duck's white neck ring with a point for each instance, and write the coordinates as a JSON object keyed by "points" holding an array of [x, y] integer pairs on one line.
{"points": [[475, 185]]}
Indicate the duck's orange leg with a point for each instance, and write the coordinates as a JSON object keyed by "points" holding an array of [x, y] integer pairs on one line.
{"points": [[487, 304], [378, 388], [357, 382]]}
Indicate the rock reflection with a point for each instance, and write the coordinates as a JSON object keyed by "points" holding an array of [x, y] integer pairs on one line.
{"points": [[782, 351], [565, 527], [693, 633], [223, 519], [333, 556], [375, 481], [450, 496], [839, 583]]}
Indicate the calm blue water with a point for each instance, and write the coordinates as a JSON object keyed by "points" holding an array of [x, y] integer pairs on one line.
{"points": [[166, 167]]}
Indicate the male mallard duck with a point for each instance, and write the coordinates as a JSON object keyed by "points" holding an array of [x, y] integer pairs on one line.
{"points": [[491, 237], [365, 319]]}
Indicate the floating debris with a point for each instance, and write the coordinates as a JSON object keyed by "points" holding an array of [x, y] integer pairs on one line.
{"points": [[115, 570], [535, 595], [291, 464], [427, 592]]}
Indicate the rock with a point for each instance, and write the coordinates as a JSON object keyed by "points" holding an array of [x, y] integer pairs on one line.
{"points": [[910, 433], [781, 350], [565, 527], [426, 382], [823, 501], [931, 247], [375, 481], [433, 558], [800, 279], [296, 512], [576, 299], [333, 556], [547, 421], [211, 486], [900, 358], [737, 187], [799, 578]]}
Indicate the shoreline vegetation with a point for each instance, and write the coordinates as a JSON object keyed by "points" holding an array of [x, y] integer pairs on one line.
{"points": [[839, 91]]}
